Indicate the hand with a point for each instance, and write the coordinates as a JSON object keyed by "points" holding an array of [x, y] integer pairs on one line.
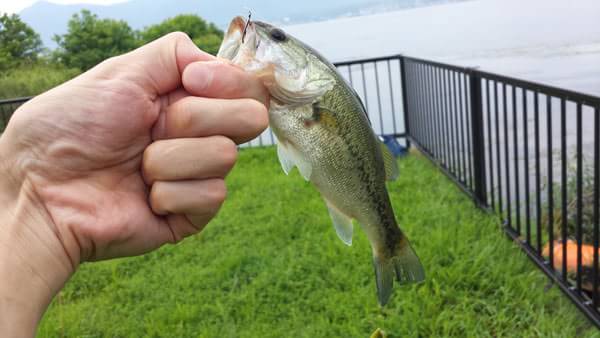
{"points": [[116, 162]]}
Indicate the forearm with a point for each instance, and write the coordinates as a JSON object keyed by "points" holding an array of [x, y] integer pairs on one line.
{"points": [[31, 271], [23, 296]]}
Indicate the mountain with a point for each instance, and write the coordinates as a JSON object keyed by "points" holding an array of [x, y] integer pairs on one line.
{"points": [[49, 18]]}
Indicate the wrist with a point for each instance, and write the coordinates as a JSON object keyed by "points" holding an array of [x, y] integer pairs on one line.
{"points": [[32, 270]]}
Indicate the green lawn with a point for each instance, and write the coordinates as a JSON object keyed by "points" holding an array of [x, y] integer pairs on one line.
{"points": [[270, 265]]}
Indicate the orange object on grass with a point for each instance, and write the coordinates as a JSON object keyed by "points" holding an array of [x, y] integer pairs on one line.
{"points": [[587, 255]]}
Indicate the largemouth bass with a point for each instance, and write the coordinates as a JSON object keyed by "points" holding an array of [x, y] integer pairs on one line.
{"points": [[322, 129]]}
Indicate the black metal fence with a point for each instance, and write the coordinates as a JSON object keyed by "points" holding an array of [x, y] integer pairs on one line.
{"points": [[7, 107], [527, 152]]}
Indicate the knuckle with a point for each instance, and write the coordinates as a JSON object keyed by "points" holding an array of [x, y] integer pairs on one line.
{"points": [[177, 36], [181, 115], [149, 163], [158, 198]]}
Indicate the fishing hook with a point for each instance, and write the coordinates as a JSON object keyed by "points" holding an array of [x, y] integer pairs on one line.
{"points": [[246, 26]]}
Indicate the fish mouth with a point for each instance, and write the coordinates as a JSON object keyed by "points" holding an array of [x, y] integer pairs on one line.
{"points": [[240, 32]]}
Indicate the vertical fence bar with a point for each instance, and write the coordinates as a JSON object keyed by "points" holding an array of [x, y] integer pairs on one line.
{"points": [[550, 183], [468, 115], [563, 178], [526, 167], [506, 158], [478, 140], [407, 102], [405, 106], [465, 123], [454, 124], [446, 120], [462, 129], [422, 111], [538, 188], [395, 131], [516, 159], [498, 160], [378, 98], [579, 195], [350, 75], [364, 85], [448, 114], [596, 206], [427, 121], [412, 99], [434, 117], [433, 113], [490, 147], [441, 113], [417, 102], [457, 124]]}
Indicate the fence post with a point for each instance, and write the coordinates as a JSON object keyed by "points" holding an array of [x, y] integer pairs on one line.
{"points": [[476, 100], [404, 99]]}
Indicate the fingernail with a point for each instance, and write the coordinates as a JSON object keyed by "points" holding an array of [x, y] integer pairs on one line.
{"points": [[198, 76]]}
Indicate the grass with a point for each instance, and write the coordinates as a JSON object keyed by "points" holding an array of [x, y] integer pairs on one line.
{"points": [[270, 265]]}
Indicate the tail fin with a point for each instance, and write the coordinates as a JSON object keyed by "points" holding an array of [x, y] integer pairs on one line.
{"points": [[403, 264]]}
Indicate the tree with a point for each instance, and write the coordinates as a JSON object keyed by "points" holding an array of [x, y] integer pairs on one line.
{"points": [[19, 43], [90, 40], [205, 35]]}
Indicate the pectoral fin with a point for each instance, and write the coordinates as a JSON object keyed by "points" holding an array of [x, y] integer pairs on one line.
{"points": [[342, 224], [389, 161], [287, 164], [290, 157]]}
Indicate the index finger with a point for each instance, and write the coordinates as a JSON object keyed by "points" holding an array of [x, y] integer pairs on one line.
{"points": [[218, 79]]}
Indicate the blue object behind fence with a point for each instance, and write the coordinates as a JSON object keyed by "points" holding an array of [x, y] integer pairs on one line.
{"points": [[393, 145]]}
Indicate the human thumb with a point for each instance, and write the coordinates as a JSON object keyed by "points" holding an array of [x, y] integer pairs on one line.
{"points": [[158, 65]]}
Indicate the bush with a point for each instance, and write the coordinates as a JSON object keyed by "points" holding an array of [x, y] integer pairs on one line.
{"points": [[33, 79], [205, 35], [90, 40]]}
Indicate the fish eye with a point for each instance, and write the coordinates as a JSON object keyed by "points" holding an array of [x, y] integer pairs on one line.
{"points": [[278, 35]]}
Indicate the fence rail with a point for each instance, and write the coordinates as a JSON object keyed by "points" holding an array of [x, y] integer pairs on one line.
{"points": [[527, 152]]}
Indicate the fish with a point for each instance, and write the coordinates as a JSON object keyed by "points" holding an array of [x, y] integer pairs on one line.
{"points": [[322, 128]]}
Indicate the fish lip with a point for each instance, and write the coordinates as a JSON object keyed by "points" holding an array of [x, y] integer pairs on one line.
{"points": [[238, 33], [237, 25]]}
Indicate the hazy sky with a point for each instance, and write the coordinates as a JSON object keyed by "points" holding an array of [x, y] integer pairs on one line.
{"points": [[14, 6]]}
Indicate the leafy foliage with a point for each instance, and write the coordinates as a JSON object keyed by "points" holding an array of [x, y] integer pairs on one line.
{"points": [[19, 43], [33, 79], [271, 265], [89, 40], [205, 35]]}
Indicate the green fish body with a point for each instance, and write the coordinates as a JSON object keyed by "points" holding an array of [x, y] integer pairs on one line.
{"points": [[323, 130]]}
